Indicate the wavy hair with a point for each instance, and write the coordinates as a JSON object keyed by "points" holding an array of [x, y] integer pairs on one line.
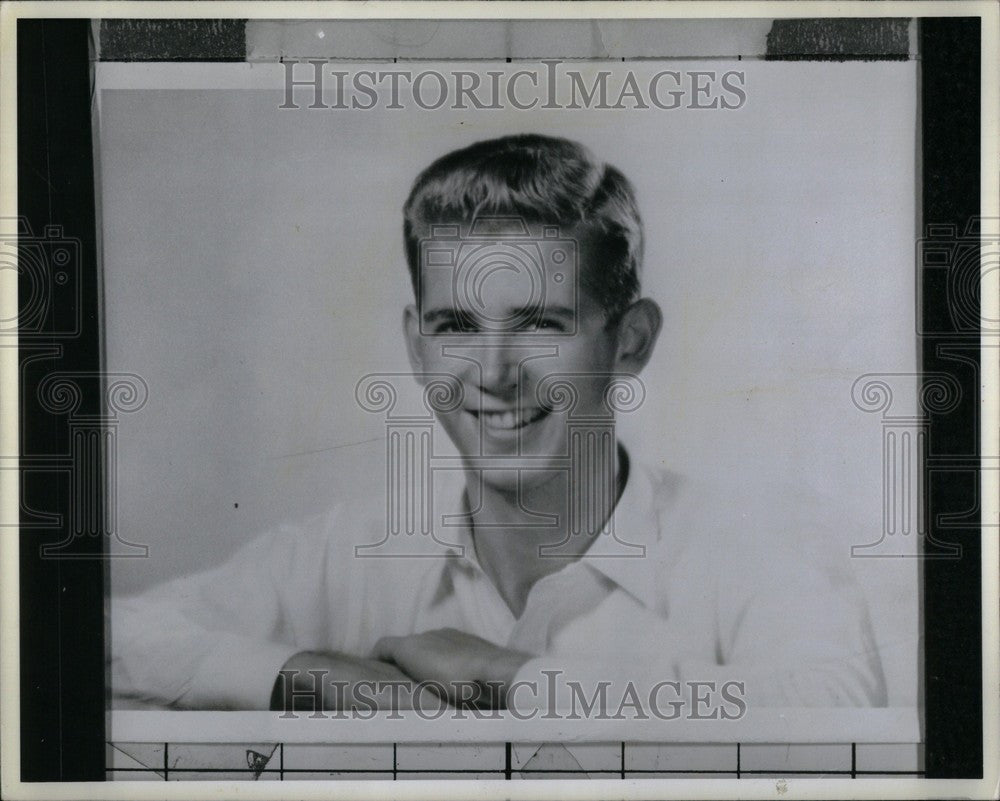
{"points": [[542, 180]]}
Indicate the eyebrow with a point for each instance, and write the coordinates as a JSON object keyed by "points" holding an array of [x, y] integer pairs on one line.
{"points": [[450, 313]]}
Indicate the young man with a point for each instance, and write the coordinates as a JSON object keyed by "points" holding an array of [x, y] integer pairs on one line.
{"points": [[552, 565]]}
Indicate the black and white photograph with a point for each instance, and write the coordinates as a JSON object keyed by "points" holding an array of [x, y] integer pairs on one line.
{"points": [[464, 396], [460, 396]]}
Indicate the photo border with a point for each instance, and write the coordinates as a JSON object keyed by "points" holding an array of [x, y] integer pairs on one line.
{"points": [[951, 750]]}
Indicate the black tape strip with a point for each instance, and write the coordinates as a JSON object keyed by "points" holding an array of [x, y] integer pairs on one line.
{"points": [[874, 39], [173, 40], [225, 39]]}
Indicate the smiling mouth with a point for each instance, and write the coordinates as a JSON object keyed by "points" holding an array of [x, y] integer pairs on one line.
{"points": [[509, 420]]}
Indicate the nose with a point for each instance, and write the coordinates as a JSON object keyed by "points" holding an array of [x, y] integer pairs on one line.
{"points": [[497, 370]]}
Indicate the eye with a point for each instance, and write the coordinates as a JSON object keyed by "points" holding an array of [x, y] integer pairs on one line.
{"points": [[456, 327], [549, 324]]}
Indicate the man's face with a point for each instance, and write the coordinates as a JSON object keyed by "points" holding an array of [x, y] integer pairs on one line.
{"points": [[520, 341]]}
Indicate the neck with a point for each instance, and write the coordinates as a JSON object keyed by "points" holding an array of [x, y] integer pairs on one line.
{"points": [[562, 514]]}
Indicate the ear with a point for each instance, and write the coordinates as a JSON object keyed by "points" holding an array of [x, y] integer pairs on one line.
{"points": [[638, 330], [414, 341]]}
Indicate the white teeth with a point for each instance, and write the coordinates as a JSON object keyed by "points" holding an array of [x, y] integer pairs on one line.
{"points": [[533, 415], [502, 420], [509, 420]]}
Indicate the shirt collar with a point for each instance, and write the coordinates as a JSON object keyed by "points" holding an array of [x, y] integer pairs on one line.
{"points": [[624, 552], [450, 517]]}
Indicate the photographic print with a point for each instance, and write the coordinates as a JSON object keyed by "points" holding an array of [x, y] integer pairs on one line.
{"points": [[492, 398]]}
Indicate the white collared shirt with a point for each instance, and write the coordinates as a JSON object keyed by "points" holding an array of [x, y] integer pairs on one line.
{"points": [[684, 585]]}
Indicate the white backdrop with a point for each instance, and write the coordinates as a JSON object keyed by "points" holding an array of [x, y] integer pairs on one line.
{"points": [[254, 272]]}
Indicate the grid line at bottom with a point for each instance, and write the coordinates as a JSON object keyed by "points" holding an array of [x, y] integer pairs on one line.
{"points": [[508, 761]]}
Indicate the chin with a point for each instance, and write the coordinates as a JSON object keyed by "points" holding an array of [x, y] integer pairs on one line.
{"points": [[525, 477], [542, 446]]}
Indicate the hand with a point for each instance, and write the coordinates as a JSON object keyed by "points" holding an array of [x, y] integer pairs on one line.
{"points": [[461, 662], [339, 682]]}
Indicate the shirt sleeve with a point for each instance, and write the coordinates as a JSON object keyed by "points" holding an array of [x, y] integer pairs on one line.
{"points": [[779, 631], [218, 639], [801, 637]]}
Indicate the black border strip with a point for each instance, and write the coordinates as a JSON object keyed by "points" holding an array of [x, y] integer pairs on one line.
{"points": [[953, 649], [61, 599]]}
